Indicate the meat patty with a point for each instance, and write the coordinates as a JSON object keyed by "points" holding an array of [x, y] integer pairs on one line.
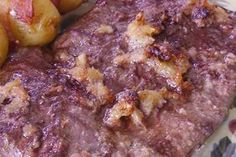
{"points": [[41, 112], [130, 78]]}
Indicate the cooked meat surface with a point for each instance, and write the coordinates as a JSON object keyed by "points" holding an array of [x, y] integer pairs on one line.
{"points": [[130, 78]]}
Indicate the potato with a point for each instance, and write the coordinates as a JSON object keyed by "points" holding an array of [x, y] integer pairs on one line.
{"points": [[33, 22], [65, 6], [4, 5], [3, 45]]}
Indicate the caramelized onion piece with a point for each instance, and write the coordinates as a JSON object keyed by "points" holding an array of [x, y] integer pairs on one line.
{"points": [[151, 98], [126, 106], [140, 33], [204, 13], [92, 77], [17, 96]]}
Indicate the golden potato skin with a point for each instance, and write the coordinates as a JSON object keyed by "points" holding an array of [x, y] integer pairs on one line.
{"points": [[65, 6], [4, 43], [4, 5], [33, 22], [38, 28]]}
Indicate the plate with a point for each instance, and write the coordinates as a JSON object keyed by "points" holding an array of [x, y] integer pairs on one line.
{"points": [[223, 142], [227, 4]]}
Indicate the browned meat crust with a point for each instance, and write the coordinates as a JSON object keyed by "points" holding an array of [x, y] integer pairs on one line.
{"points": [[130, 78]]}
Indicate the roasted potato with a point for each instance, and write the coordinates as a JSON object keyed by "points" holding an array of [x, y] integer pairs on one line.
{"points": [[3, 45], [65, 6], [33, 22], [30, 22], [4, 5]]}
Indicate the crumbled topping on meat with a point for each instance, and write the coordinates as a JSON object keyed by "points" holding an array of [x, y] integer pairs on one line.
{"points": [[81, 60], [129, 58], [157, 56], [13, 97], [63, 56], [121, 109], [182, 62], [100, 91], [172, 70], [80, 69], [151, 98], [31, 133], [159, 51], [92, 77], [167, 70], [140, 33], [137, 118], [29, 130], [126, 106], [105, 29], [129, 101], [230, 59], [204, 13]]}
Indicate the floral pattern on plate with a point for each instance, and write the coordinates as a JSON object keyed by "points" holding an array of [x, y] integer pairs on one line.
{"points": [[223, 142]]}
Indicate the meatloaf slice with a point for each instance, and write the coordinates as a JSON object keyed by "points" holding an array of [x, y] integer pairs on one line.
{"points": [[41, 112], [164, 72], [130, 78]]}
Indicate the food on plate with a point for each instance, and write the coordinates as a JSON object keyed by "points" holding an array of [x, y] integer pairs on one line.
{"points": [[33, 22], [170, 66], [130, 78], [65, 6], [4, 45]]}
